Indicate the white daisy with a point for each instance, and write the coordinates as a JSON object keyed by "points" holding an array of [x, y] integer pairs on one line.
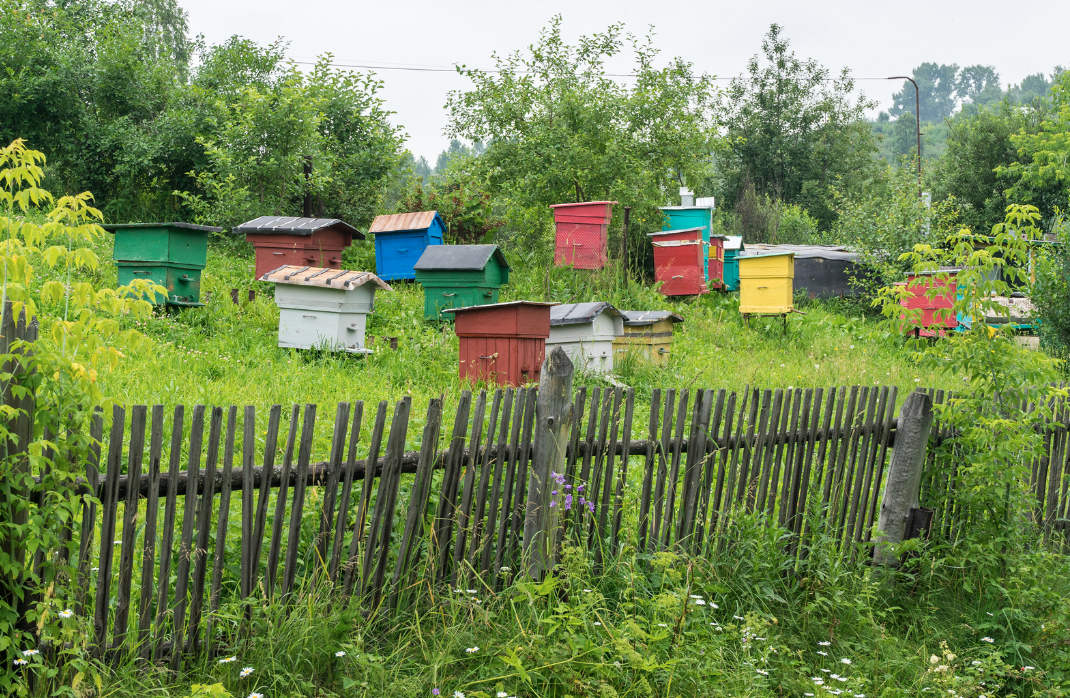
{"points": [[66, 614], [472, 650], [29, 653], [340, 653], [246, 671], [845, 660], [987, 639], [228, 660]]}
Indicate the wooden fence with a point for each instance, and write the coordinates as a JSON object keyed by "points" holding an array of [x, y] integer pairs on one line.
{"points": [[377, 528]]}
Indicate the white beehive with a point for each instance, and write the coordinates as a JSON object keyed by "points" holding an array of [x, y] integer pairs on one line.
{"points": [[585, 331], [324, 308]]}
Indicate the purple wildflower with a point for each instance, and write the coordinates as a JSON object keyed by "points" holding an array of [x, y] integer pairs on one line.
{"points": [[568, 502], [590, 505], [435, 692], [579, 487], [553, 504], [568, 487]]}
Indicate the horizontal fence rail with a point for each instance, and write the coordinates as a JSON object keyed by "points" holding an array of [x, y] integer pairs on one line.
{"points": [[206, 525]]}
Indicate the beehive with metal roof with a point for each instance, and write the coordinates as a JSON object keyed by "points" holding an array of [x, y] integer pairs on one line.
{"points": [[503, 343], [766, 284], [459, 276], [685, 217], [281, 240], [823, 271], [586, 331], [679, 262], [400, 241], [169, 254], [647, 334], [733, 248], [324, 308]]}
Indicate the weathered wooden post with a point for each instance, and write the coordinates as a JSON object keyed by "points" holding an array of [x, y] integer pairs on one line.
{"points": [[15, 450], [553, 420], [903, 485]]}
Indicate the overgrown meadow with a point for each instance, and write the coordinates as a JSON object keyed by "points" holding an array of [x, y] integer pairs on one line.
{"points": [[749, 620]]}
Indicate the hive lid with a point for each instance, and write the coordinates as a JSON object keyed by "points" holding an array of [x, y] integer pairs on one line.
{"points": [[698, 228], [581, 203], [685, 208], [397, 222], [805, 251], [577, 313], [295, 226], [733, 242], [490, 306], [458, 257], [346, 280], [112, 227], [648, 317], [767, 254]]}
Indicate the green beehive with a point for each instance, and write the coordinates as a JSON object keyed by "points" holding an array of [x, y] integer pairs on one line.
{"points": [[460, 276], [170, 254]]}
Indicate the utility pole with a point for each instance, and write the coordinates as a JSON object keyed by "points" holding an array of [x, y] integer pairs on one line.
{"points": [[917, 116]]}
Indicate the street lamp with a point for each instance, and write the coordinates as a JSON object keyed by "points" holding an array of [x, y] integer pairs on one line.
{"points": [[917, 116]]}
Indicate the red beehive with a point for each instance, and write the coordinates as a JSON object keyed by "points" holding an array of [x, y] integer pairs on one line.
{"points": [[301, 242], [679, 262], [716, 264], [503, 343], [920, 286], [582, 234]]}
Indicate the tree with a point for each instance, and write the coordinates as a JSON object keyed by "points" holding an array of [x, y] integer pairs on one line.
{"points": [[560, 129], [937, 89], [794, 131], [1041, 175]]}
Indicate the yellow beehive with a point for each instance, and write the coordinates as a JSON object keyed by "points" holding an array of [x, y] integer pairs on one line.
{"points": [[766, 284], [648, 334]]}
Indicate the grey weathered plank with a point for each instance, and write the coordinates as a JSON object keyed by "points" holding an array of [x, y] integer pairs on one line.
{"points": [[342, 522], [421, 492], [168, 531], [754, 467], [271, 442], [711, 464], [494, 501], [453, 465], [248, 505], [696, 457], [330, 492], [148, 556], [516, 523], [622, 471], [477, 528], [275, 546], [723, 487], [109, 505], [297, 507], [204, 531], [791, 444], [676, 451], [365, 571], [136, 454], [475, 467], [185, 549], [89, 509], [650, 465], [605, 478], [222, 519], [804, 445], [768, 448], [386, 502]]}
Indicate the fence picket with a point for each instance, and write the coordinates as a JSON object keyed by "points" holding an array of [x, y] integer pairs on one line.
{"points": [[342, 522], [135, 456], [371, 472], [222, 519], [185, 550]]}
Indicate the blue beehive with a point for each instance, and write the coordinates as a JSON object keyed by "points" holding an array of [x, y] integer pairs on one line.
{"points": [[400, 240]]}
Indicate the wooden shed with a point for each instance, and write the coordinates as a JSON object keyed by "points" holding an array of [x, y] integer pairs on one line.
{"points": [[937, 313], [648, 333], [503, 343], [733, 248], [282, 240], [400, 240], [679, 262], [459, 276], [324, 308], [684, 217], [586, 332], [765, 284], [582, 234], [169, 254]]}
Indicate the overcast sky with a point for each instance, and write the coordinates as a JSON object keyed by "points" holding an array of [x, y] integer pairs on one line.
{"points": [[718, 37]]}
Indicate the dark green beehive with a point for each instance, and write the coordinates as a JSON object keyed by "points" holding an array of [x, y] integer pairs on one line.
{"points": [[460, 276], [170, 254]]}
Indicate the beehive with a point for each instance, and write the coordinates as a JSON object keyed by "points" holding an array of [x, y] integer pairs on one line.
{"points": [[313, 242], [503, 343], [586, 332], [765, 284], [324, 308], [400, 241], [937, 313], [169, 254], [715, 262], [679, 262], [459, 276], [733, 247], [684, 217], [582, 234], [647, 333]]}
